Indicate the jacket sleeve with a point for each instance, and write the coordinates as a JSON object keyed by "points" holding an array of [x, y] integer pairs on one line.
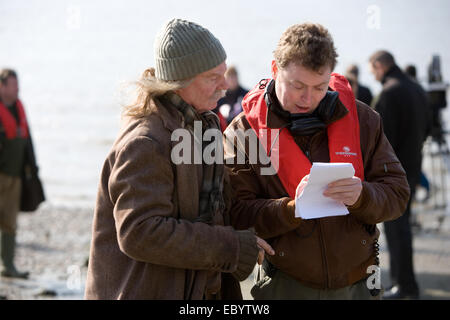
{"points": [[141, 186], [385, 191], [269, 217]]}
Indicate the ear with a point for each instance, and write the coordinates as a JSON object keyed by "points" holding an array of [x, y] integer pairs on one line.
{"points": [[274, 69]]}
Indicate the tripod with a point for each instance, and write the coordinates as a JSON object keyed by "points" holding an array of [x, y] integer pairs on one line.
{"points": [[437, 160]]}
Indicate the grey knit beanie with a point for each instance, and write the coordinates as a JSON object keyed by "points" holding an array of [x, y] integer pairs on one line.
{"points": [[184, 49]]}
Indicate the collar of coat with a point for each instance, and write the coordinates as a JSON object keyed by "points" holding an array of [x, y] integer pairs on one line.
{"points": [[275, 120], [393, 72]]}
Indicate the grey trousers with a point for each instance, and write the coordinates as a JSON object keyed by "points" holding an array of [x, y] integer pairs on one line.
{"points": [[283, 287]]}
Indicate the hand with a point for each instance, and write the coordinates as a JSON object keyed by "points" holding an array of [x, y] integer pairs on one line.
{"points": [[301, 186], [346, 191], [264, 247]]}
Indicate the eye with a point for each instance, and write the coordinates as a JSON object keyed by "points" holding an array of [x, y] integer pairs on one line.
{"points": [[296, 87]]}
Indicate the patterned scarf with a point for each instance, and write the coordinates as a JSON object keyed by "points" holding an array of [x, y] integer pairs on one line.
{"points": [[211, 200]]}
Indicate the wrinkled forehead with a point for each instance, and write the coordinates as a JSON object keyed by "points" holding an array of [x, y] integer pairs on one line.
{"points": [[215, 72]]}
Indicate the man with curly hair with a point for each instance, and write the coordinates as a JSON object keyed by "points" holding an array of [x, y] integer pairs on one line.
{"points": [[311, 115]]}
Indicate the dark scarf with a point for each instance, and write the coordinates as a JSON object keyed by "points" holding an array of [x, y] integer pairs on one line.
{"points": [[211, 200], [303, 124]]}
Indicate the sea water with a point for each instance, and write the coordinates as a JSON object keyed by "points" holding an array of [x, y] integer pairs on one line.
{"points": [[73, 58]]}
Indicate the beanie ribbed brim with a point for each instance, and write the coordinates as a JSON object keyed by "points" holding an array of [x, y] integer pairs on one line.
{"points": [[184, 50]]}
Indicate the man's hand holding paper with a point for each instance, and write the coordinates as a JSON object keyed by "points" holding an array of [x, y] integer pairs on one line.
{"points": [[327, 190], [346, 191]]}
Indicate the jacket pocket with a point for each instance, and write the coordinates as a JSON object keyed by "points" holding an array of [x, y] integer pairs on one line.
{"points": [[391, 166], [349, 244]]}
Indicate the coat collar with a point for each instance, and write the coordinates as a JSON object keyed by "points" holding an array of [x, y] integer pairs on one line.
{"points": [[171, 118], [394, 72], [277, 120]]}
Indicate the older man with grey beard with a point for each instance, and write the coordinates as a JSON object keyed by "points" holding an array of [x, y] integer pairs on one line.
{"points": [[161, 229]]}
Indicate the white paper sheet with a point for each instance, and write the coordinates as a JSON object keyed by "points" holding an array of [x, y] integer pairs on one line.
{"points": [[311, 203]]}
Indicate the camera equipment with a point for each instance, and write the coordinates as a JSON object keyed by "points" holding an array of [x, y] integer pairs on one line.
{"points": [[436, 147]]}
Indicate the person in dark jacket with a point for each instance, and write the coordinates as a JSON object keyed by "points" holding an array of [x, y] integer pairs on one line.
{"points": [[14, 137], [231, 105], [403, 106], [362, 93], [319, 258], [411, 72]]}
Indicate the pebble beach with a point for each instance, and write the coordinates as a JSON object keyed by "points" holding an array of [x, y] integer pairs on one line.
{"points": [[53, 244]]}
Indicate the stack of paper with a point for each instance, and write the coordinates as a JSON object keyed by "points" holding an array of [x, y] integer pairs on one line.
{"points": [[311, 203]]}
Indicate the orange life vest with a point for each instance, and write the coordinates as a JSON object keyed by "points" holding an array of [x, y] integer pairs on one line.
{"points": [[12, 128], [293, 165]]}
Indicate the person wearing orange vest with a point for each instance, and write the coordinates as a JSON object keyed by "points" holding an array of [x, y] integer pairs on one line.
{"points": [[309, 114], [14, 135]]}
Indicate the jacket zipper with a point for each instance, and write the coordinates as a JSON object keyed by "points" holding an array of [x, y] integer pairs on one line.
{"points": [[322, 241], [308, 149], [309, 145]]}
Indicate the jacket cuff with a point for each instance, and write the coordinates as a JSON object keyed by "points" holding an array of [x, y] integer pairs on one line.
{"points": [[288, 212], [359, 208], [248, 254]]}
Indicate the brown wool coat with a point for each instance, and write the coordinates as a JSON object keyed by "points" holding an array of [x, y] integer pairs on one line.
{"points": [[331, 252], [145, 244]]}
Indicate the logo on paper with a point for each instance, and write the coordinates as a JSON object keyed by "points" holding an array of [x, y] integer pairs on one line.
{"points": [[346, 152]]}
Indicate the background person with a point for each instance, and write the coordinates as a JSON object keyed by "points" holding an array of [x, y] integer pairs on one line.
{"points": [[231, 105], [403, 107], [362, 93]]}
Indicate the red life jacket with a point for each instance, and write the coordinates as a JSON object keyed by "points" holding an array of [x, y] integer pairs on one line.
{"points": [[9, 122], [292, 164]]}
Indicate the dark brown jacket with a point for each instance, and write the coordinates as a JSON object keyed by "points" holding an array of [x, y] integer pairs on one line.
{"points": [[145, 244], [331, 252]]}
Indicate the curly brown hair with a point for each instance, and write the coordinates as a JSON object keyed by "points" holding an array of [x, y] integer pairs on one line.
{"points": [[307, 44]]}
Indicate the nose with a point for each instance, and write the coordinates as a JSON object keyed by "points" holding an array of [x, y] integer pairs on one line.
{"points": [[307, 96], [223, 85]]}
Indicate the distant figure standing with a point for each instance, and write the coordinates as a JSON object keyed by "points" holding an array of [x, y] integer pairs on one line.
{"points": [[411, 72], [361, 92], [230, 105], [402, 105], [14, 139]]}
